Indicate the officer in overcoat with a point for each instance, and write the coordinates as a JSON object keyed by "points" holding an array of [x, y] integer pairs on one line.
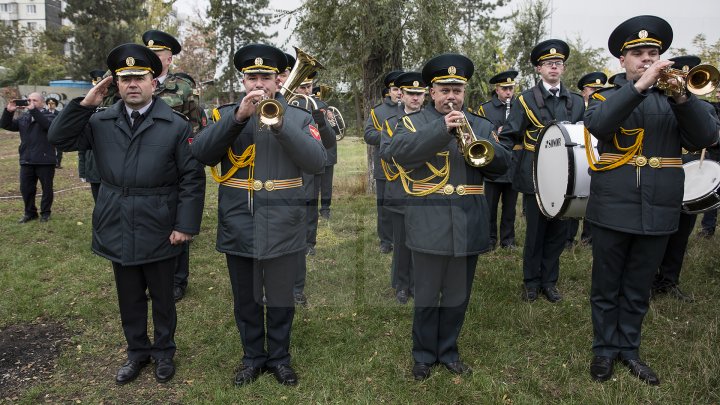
{"points": [[413, 89], [636, 189], [150, 202], [667, 278], [547, 102], [373, 127], [446, 215], [261, 208], [497, 110]]}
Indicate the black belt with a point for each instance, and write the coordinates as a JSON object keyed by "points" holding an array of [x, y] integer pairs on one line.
{"points": [[128, 191]]}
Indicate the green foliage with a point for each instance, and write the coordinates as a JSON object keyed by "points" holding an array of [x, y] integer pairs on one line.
{"points": [[582, 60], [35, 66], [159, 16], [99, 26], [528, 28]]}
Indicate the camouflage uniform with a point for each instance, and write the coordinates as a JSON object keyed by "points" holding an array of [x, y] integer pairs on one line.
{"points": [[178, 94]]}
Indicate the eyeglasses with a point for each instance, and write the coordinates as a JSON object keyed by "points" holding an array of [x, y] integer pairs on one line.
{"points": [[558, 63]]}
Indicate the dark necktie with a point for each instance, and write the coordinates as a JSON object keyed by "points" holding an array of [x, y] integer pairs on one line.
{"points": [[137, 120], [554, 91]]}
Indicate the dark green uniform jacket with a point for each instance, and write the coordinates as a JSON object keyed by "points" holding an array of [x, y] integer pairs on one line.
{"points": [[151, 183], [373, 127], [495, 111], [616, 200], [395, 195], [275, 224], [439, 224], [566, 106]]}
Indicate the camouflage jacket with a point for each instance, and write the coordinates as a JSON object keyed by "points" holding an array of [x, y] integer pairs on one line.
{"points": [[178, 94]]}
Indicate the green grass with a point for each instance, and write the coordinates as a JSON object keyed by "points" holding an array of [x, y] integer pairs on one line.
{"points": [[352, 344]]}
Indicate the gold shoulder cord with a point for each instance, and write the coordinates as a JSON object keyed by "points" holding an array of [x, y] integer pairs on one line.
{"points": [[481, 111], [376, 124], [389, 174], [533, 120], [629, 152], [246, 159], [406, 180]]}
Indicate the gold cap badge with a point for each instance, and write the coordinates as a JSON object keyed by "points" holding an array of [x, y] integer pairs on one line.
{"points": [[151, 42], [130, 61], [452, 70], [642, 34], [597, 81], [553, 50], [686, 68], [416, 83], [258, 61], [509, 79]]}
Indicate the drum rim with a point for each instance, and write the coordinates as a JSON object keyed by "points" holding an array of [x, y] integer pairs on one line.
{"points": [[702, 197], [571, 168]]}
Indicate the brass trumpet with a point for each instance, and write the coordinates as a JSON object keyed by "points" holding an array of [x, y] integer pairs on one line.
{"points": [[477, 152], [270, 111], [700, 80]]}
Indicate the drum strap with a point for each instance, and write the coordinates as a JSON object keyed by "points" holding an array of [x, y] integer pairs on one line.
{"points": [[540, 101]]}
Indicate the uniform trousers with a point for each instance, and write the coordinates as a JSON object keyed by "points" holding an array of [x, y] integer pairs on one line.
{"points": [[709, 221], [401, 272], [95, 190], [384, 221], [623, 268], [544, 243], [574, 225], [29, 176], [494, 193], [182, 267], [442, 292], [668, 274], [326, 185], [131, 283], [311, 206], [251, 279]]}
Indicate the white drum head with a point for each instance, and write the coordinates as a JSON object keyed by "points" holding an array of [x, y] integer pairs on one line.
{"points": [[700, 180], [551, 173]]}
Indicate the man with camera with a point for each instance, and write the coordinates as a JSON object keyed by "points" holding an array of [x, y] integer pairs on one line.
{"points": [[37, 156]]}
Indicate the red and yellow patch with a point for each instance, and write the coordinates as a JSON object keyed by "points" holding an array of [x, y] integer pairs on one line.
{"points": [[190, 141], [314, 132]]}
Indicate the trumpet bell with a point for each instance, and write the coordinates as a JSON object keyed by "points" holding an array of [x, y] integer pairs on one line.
{"points": [[703, 79], [479, 153], [270, 111]]}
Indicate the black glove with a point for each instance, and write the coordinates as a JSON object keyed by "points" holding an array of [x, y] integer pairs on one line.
{"points": [[319, 117]]}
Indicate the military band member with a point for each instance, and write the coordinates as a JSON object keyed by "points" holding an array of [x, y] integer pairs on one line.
{"points": [[326, 178], [636, 189], [177, 93], [667, 278], [413, 89], [497, 111], [588, 84], [282, 77], [151, 198], [373, 128], [536, 108], [446, 214], [261, 208]]}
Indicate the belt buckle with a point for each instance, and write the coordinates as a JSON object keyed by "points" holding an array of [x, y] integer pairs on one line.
{"points": [[269, 185], [654, 162], [257, 185], [460, 189], [448, 189], [640, 161]]}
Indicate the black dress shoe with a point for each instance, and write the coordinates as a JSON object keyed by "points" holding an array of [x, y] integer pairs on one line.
{"points": [[402, 296], [246, 375], [284, 374], [601, 368], [178, 293], [421, 371], [552, 294], [675, 292], [44, 218], [385, 248], [642, 371], [164, 370], [310, 251], [458, 367], [300, 299], [27, 218], [130, 371], [529, 294]]}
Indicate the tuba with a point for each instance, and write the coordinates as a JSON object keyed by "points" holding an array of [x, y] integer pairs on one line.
{"points": [[270, 110], [700, 80], [477, 152]]}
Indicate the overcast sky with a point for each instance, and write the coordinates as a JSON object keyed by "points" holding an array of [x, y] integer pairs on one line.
{"points": [[587, 19]]}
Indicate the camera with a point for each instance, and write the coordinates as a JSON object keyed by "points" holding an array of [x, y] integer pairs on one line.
{"points": [[21, 102]]}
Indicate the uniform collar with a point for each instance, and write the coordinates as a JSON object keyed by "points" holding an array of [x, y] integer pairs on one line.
{"points": [[548, 87]]}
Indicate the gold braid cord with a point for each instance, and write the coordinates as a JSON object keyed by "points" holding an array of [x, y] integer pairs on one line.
{"points": [[629, 152], [534, 121], [443, 173], [390, 175]]}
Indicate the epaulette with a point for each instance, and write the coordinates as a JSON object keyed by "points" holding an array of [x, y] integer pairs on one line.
{"points": [[299, 108], [182, 115], [215, 113], [596, 94], [100, 109], [378, 105]]}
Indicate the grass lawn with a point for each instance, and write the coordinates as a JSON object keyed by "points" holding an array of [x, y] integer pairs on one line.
{"points": [[352, 343]]}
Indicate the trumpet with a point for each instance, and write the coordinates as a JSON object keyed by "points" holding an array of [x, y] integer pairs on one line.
{"points": [[477, 152], [270, 111], [700, 80]]}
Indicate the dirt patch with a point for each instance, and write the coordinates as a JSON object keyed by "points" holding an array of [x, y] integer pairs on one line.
{"points": [[28, 354]]}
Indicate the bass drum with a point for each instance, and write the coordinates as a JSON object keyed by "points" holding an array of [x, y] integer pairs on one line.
{"points": [[561, 170], [702, 182]]}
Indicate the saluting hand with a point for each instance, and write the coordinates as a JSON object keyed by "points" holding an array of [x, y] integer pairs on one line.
{"points": [[177, 237], [95, 96]]}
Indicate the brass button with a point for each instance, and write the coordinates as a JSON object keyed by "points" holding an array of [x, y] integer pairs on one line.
{"points": [[640, 161], [269, 185], [257, 185], [654, 162], [448, 189], [460, 189]]}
